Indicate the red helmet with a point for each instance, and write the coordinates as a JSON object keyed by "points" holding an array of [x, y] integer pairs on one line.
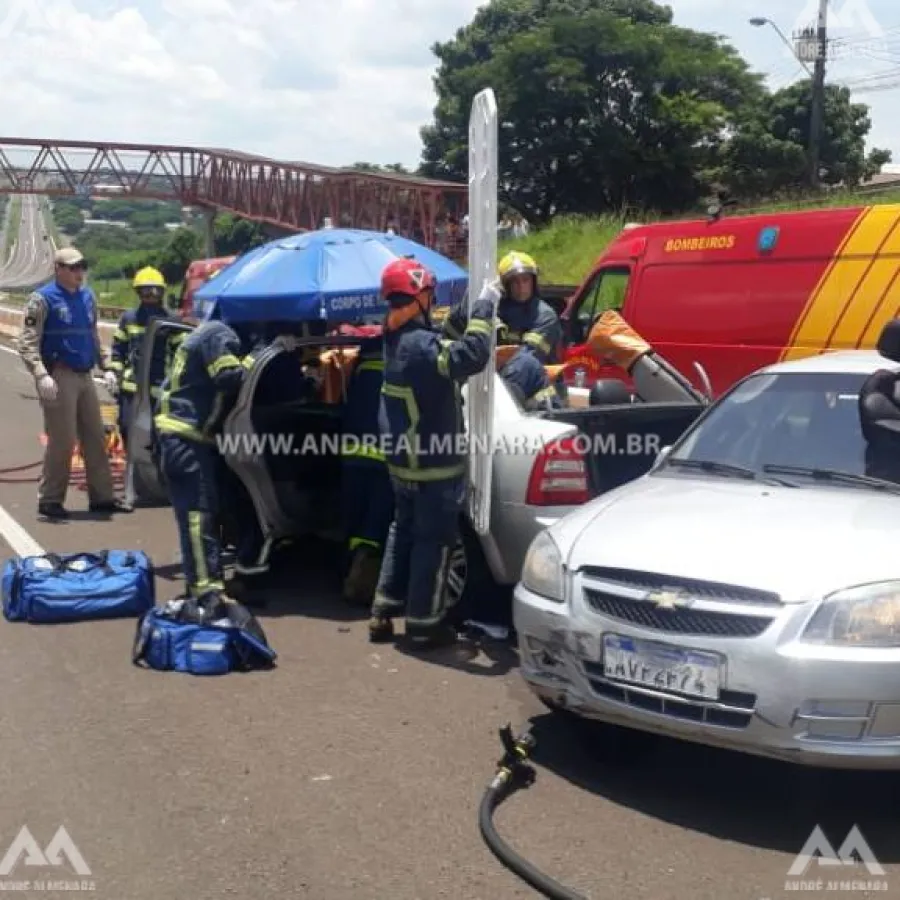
{"points": [[406, 277]]}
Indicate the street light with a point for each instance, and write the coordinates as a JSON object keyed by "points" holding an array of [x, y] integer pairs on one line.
{"points": [[759, 22]]}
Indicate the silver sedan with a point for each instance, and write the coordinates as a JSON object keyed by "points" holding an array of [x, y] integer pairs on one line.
{"points": [[746, 592]]}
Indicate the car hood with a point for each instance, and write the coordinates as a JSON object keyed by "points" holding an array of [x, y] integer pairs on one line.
{"points": [[798, 542]]}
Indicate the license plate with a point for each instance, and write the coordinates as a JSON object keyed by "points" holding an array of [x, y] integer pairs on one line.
{"points": [[660, 667]]}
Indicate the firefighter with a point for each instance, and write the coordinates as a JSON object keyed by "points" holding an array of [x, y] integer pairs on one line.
{"points": [[368, 498], [528, 380], [197, 395], [421, 418], [128, 340], [525, 318]]}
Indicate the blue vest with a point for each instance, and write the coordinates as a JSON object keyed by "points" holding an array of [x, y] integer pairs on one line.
{"points": [[69, 328]]}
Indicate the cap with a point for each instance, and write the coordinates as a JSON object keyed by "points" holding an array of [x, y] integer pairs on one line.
{"points": [[67, 256]]}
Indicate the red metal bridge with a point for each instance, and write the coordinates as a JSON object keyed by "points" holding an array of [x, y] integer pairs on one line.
{"points": [[293, 196]]}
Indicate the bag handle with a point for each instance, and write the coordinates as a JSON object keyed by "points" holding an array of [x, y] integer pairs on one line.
{"points": [[62, 562]]}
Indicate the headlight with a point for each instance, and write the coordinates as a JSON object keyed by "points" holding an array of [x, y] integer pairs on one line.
{"points": [[543, 570], [865, 616]]}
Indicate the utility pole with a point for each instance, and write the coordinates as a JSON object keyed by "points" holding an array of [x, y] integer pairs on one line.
{"points": [[817, 109]]}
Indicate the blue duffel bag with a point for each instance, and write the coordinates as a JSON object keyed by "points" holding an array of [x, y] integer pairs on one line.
{"points": [[75, 587], [170, 638]]}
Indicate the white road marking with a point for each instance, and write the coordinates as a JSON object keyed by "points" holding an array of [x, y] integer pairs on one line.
{"points": [[22, 543]]}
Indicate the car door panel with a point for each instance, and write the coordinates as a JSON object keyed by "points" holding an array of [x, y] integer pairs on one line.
{"points": [[143, 478]]}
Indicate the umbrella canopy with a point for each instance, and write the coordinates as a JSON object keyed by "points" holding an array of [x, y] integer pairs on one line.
{"points": [[333, 274]]}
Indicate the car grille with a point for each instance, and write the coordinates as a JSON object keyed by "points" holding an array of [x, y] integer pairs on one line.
{"points": [[706, 590], [676, 621], [734, 709]]}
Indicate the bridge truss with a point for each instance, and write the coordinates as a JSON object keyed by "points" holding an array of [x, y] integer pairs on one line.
{"points": [[291, 196]]}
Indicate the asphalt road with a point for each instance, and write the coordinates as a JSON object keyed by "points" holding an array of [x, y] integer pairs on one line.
{"points": [[353, 774], [31, 260]]}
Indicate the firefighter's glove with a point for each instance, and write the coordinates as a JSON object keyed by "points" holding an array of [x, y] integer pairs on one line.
{"points": [[492, 292]]}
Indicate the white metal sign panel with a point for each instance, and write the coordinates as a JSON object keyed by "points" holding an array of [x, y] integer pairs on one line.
{"points": [[483, 168]]}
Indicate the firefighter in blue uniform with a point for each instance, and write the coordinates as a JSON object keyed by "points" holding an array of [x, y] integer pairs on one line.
{"points": [[421, 416], [128, 339], [368, 498], [199, 392], [525, 319], [529, 382]]}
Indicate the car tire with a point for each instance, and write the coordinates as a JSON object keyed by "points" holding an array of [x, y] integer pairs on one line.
{"points": [[473, 591]]}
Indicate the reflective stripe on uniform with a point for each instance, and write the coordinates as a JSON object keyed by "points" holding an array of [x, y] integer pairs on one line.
{"points": [[370, 365], [407, 395], [436, 474], [226, 361], [168, 424], [363, 452], [535, 339], [356, 542]]}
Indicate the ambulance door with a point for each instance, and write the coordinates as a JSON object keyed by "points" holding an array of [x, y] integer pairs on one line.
{"points": [[143, 478], [479, 392], [245, 455]]}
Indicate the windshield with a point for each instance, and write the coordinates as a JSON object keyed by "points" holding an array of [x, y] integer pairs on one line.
{"points": [[792, 425]]}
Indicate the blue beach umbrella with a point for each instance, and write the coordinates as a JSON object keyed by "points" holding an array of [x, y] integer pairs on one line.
{"points": [[333, 274]]}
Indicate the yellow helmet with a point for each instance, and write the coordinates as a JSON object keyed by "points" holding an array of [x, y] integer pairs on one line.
{"points": [[517, 263], [149, 277]]}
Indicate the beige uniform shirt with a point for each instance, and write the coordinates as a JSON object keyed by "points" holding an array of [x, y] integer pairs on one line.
{"points": [[28, 345]]}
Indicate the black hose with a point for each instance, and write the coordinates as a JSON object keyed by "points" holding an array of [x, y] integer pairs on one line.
{"points": [[513, 773]]}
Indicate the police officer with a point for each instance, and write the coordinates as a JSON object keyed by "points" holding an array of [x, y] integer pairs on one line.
{"points": [[128, 340], [368, 498], [526, 319], [528, 380], [60, 345], [197, 395], [422, 421]]}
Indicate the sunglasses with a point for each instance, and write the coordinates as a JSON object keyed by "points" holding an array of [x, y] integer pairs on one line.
{"points": [[74, 267]]}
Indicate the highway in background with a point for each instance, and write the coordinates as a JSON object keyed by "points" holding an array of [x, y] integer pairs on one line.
{"points": [[30, 260]]}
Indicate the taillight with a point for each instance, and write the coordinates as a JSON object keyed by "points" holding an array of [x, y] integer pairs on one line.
{"points": [[559, 476]]}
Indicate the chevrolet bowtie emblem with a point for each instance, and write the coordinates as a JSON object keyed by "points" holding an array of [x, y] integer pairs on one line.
{"points": [[668, 599]]}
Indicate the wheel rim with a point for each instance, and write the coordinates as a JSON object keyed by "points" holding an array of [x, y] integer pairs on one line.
{"points": [[457, 570]]}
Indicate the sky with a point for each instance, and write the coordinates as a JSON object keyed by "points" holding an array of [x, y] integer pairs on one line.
{"points": [[328, 81]]}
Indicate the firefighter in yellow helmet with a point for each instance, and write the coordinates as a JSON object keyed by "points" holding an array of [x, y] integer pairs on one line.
{"points": [[525, 319], [128, 339], [526, 322]]}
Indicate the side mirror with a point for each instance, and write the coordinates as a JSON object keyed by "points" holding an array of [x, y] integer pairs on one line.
{"points": [[662, 456]]}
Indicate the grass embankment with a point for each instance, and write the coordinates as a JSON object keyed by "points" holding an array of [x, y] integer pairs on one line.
{"points": [[567, 249], [15, 219]]}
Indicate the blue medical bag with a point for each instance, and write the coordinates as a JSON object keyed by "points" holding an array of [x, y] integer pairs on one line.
{"points": [[76, 587], [167, 642]]}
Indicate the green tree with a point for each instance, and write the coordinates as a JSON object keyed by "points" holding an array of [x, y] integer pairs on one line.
{"points": [[770, 156], [390, 168], [603, 104], [182, 249], [233, 235]]}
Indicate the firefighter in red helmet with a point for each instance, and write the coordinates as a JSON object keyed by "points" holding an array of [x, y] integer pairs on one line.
{"points": [[421, 421]]}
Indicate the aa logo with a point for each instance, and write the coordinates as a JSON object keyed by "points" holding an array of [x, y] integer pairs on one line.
{"points": [[852, 16], [52, 855], [852, 852]]}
